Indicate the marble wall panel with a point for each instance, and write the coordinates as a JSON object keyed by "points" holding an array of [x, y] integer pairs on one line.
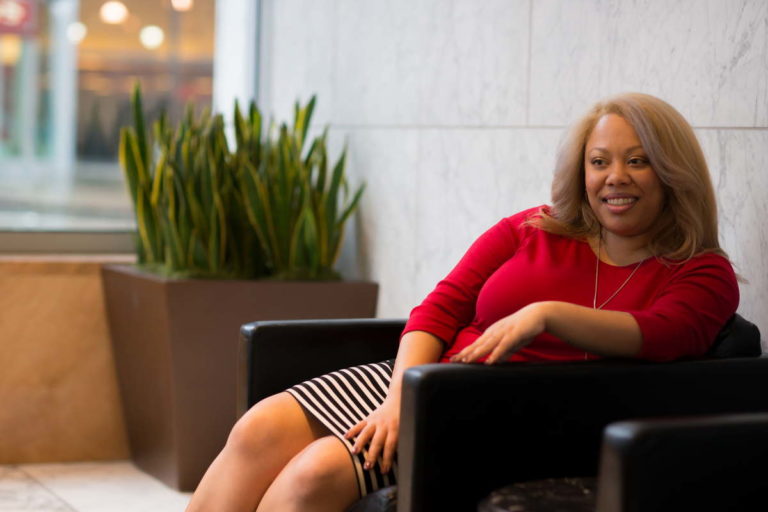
{"points": [[738, 160], [387, 161], [297, 57], [431, 62], [707, 58], [469, 180], [430, 193]]}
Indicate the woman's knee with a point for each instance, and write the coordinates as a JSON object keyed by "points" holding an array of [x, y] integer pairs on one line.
{"points": [[270, 423]]}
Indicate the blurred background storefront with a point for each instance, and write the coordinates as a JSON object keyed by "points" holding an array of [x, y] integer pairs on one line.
{"points": [[67, 71]]}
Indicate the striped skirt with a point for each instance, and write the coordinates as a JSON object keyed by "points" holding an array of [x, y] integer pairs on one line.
{"points": [[340, 400]]}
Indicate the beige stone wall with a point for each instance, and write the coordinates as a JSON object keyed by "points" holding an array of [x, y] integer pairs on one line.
{"points": [[59, 399]]}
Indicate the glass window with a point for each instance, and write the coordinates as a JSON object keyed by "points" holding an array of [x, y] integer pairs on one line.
{"points": [[67, 69]]}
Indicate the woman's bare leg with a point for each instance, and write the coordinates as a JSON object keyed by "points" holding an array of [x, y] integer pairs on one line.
{"points": [[260, 445], [321, 478]]}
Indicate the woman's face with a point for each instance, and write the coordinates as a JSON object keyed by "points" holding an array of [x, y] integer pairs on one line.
{"points": [[623, 190]]}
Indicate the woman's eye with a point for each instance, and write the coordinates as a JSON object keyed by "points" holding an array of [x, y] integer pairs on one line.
{"points": [[598, 162], [638, 161]]}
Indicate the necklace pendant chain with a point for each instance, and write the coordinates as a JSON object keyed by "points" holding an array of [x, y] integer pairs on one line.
{"points": [[597, 272]]}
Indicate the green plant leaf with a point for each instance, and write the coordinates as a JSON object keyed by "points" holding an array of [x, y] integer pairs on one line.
{"points": [[126, 153], [141, 134], [302, 119], [341, 222], [262, 206], [332, 198]]}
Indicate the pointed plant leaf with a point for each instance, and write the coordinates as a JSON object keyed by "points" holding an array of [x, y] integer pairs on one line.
{"points": [[127, 163], [141, 134], [351, 207]]}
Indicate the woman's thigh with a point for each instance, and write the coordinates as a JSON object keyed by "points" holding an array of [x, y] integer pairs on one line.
{"points": [[260, 445], [319, 478]]}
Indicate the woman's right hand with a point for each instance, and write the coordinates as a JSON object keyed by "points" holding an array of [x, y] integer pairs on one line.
{"points": [[379, 431]]}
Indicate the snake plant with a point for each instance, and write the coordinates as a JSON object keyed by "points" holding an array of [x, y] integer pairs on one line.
{"points": [[271, 206]]}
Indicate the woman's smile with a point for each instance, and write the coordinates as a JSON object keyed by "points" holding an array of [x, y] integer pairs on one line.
{"points": [[623, 189], [619, 203]]}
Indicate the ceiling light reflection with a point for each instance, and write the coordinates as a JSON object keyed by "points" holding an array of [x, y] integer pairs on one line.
{"points": [[76, 32], [151, 36], [113, 12], [182, 5]]}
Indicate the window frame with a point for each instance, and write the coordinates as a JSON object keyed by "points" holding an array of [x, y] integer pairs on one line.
{"points": [[239, 17]]}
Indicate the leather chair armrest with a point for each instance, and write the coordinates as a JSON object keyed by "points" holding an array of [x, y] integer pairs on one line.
{"points": [[275, 355], [706, 463], [470, 428]]}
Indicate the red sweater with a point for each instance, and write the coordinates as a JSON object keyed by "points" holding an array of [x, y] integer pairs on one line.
{"points": [[680, 308]]}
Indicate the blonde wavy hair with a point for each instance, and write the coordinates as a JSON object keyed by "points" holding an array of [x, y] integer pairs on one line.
{"points": [[688, 222]]}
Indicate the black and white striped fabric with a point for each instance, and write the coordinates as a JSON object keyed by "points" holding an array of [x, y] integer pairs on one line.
{"points": [[340, 400]]}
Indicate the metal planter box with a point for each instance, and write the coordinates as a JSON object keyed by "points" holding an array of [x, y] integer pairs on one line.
{"points": [[175, 343]]}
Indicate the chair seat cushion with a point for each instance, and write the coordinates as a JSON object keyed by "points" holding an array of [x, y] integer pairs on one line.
{"points": [[383, 500], [550, 495]]}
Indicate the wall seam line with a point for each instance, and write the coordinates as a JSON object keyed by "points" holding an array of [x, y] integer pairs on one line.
{"points": [[528, 64], [502, 127]]}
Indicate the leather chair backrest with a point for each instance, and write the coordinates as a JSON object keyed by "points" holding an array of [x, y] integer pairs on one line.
{"points": [[738, 338]]}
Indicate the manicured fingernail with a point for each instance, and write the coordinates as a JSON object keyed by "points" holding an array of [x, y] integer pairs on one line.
{"points": [[367, 465]]}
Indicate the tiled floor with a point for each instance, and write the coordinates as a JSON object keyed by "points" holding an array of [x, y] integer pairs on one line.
{"points": [[85, 487]]}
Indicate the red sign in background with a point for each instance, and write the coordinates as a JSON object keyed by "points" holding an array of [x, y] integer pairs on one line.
{"points": [[18, 17]]}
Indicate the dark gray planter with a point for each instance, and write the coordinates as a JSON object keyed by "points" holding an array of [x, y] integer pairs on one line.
{"points": [[176, 351]]}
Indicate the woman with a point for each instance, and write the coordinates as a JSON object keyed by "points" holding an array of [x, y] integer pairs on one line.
{"points": [[625, 263]]}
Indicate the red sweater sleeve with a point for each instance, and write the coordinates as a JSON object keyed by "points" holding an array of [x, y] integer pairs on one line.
{"points": [[686, 316], [451, 305]]}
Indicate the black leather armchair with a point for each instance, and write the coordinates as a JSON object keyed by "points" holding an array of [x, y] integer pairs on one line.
{"points": [[699, 463], [468, 429], [702, 463]]}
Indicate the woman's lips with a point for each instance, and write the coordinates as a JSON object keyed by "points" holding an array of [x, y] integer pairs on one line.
{"points": [[619, 204]]}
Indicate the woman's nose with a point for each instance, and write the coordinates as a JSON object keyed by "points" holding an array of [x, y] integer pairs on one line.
{"points": [[618, 175]]}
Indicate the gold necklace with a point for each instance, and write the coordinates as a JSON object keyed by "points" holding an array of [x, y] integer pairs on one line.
{"points": [[597, 272]]}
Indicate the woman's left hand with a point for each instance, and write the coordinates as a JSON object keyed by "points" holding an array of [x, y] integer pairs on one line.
{"points": [[506, 336]]}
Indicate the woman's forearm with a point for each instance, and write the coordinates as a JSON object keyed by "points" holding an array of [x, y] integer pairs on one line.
{"points": [[607, 333], [416, 347]]}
